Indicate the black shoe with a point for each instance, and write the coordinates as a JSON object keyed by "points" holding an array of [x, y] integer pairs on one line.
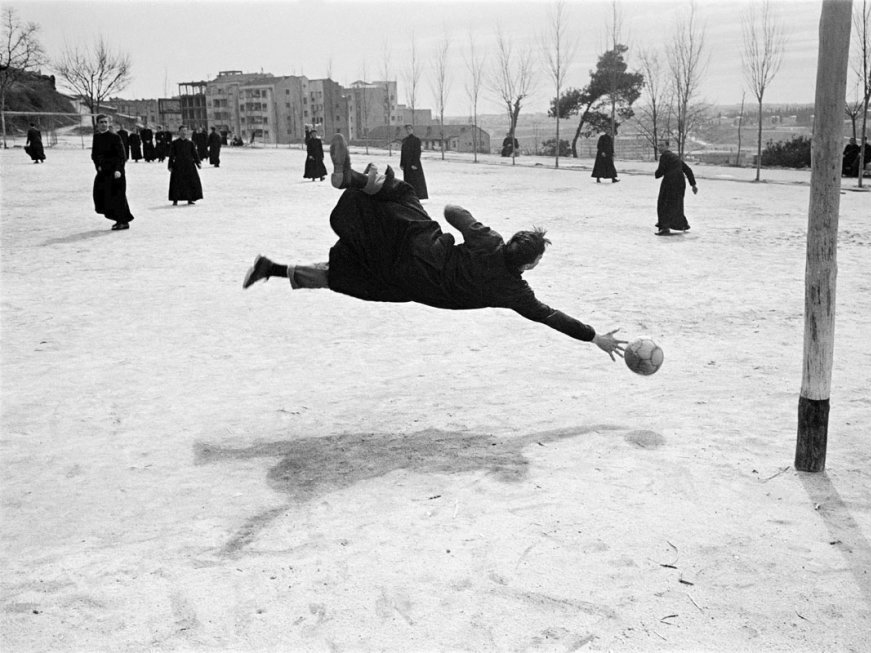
{"points": [[341, 159], [190, 202], [175, 203], [615, 180], [119, 226], [663, 232], [258, 271]]}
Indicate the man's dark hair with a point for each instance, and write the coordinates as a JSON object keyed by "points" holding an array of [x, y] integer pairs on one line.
{"points": [[525, 246], [102, 116]]}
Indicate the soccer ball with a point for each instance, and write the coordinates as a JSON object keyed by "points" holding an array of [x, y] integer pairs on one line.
{"points": [[643, 356]]}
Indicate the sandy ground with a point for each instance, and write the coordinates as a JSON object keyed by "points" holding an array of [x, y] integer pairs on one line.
{"points": [[187, 466]]}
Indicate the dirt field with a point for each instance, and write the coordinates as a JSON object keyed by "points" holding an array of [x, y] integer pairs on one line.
{"points": [[187, 466]]}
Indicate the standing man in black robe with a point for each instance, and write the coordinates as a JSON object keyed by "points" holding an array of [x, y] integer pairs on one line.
{"points": [[851, 153], [184, 180], [110, 184], [314, 161], [135, 146], [409, 161], [33, 146], [669, 204], [201, 140], [604, 165], [125, 141], [147, 136], [215, 148], [390, 250]]}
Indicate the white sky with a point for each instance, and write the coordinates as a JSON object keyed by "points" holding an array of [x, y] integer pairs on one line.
{"points": [[174, 41]]}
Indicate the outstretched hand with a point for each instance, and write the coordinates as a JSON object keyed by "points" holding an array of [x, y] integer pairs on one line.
{"points": [[695, 190], [609, 344]]}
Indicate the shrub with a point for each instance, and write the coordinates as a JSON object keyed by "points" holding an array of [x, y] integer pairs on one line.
{"points": [[788, 154], [548, 148]]}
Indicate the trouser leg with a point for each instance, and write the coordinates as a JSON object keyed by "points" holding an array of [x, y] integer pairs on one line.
{"points": [[315, 275]]}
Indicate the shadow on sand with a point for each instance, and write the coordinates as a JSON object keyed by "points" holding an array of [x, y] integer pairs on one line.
{"points": [[75, 238], [314, 466], [843, 529]]}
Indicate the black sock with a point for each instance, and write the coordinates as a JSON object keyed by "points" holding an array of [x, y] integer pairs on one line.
{"points": [[276, 270]]}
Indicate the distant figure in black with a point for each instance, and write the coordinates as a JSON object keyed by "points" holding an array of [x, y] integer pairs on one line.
{"points": [[125, 141], [509, 147], [314, 160], [409, 161], [135, 146], [201, 141], [215, 148], [851, 153], [148, 152], [184, 180], [33, 146], [669, 206], [604, 166], [110, 184]]}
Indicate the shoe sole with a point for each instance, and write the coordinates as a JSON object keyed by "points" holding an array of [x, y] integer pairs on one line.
{"points": [[247, 281]]}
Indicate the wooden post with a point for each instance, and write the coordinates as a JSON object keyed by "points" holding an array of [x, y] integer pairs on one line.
{"points": [[821, 268]]}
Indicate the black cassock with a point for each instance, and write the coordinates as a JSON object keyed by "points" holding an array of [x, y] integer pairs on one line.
{"points": [[135, 146], [409, 157], [148, 145], [604, 166], [184, 180], [33, 147], [125, 141], [314, 160], [215, 149], [110, 194], [669, 205]]}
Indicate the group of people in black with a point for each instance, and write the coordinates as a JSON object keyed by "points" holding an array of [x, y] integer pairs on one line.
{"points": [[850, 164], [111, 150]]}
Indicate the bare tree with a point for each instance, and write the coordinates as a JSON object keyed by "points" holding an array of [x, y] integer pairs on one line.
{"points": [[761, 57], [654, 115], [364, 99], [559, 51], [615, 29], [441, 84], [412, 78], [388, 101], [740, 125], [475, 64], [686, 62], [21, 54], [853, 108], [512, 80], [94, 73], [862, 25]]}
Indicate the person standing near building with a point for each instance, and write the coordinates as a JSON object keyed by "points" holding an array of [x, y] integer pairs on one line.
{"points": [[201, 141], [604, 165], [135, 146], [125, 141], [147, 136], [33, 146], [215, 148], [110, 184], [184, 180], [314, 162], [409, 162], [669, 205]]}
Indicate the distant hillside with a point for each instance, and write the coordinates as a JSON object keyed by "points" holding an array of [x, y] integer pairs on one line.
{"points": [[34, 93]]}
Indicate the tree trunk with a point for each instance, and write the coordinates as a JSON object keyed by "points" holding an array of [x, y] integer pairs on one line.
{"points": [[759, 140], [822, 237], [862, 160]]}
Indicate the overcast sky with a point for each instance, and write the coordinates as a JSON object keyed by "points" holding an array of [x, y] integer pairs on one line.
{"points": [[178, 41]]}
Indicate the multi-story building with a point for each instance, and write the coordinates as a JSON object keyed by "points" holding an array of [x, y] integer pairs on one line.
{"points": [[193, 104], [417, 117], [328, 107], [371, 105], [146, 111], [223, 99]]}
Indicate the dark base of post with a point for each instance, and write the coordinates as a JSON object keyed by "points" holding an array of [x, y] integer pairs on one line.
{"points": [[813, 431]]}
